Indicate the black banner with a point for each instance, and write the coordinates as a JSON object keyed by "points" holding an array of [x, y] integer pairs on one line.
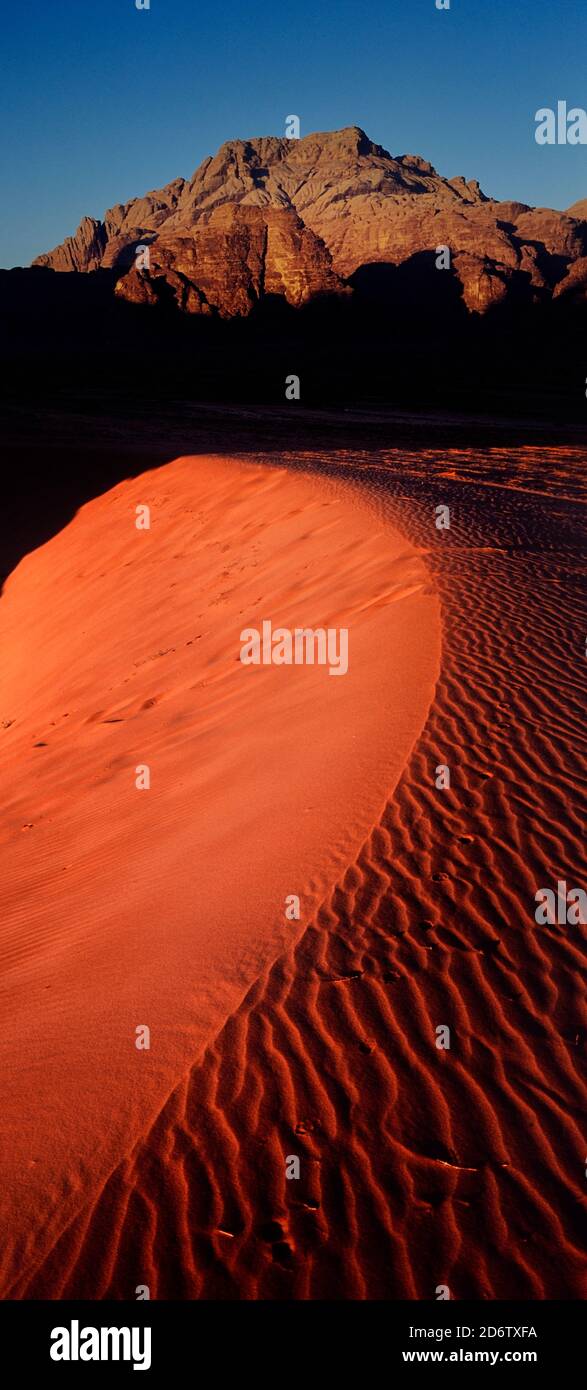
{"points": [[73, 1341]]}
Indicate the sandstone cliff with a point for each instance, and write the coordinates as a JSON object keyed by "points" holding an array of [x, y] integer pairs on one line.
{"points": [[233, 259]]}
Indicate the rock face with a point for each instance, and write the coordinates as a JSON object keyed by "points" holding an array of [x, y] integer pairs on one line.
{"points": [[84, 251], [99, 243], [233, 259], [297, 218]]}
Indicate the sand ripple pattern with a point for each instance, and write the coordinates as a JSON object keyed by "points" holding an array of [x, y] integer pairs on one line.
{"points": [[419, 1167]]}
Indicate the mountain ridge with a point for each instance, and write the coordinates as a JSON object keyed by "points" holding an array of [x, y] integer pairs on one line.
{"points": [[325, 206]]}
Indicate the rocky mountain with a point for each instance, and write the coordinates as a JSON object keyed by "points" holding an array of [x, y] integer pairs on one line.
{"points": [[300, 218]]}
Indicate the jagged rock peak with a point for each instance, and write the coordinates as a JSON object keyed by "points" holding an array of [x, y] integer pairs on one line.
{"points": [[344, 144]]}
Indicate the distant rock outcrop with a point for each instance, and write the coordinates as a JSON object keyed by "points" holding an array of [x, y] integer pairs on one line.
{"points": [[297, 218]]}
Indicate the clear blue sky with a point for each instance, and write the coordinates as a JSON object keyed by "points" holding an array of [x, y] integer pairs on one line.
{"points": [[101, 102]]}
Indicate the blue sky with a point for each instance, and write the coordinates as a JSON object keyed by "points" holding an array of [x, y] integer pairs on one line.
{"points": [[100, 101]]}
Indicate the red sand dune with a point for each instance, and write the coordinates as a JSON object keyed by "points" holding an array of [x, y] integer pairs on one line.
{"points": [[163, 907], [418, 1167]]}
